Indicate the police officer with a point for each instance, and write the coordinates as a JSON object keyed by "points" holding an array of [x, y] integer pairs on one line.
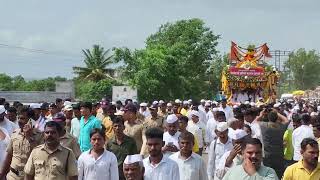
{"points": [[150, 122], [66, 139], [51, 160], [23, 140]]}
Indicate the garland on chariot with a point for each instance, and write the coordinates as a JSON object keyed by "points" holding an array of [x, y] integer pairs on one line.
{"points": [[247, 70]]}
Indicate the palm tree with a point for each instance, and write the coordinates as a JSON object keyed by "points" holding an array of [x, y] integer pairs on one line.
{"points": [[96, 62]]}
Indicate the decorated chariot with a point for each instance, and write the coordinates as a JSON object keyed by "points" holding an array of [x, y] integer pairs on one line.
{"points": [[248, 77]]}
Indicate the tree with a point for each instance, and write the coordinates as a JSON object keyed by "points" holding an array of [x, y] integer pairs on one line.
{"points": [[174, 63], [215, 72], [94, 91], [18, 83], [5, 82], [96, 62], [304, 67]]}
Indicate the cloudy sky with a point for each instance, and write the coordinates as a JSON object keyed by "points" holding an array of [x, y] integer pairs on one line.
{"points": [[61, 28]]}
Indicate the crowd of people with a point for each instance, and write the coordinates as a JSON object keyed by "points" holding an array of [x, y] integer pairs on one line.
{"points": [[160, 140]]}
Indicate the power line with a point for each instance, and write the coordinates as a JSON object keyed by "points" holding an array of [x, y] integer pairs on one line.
{"points": [[40, 51]]}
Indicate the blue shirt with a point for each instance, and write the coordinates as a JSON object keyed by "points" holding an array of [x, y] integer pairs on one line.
{"points": [[85, 129]]}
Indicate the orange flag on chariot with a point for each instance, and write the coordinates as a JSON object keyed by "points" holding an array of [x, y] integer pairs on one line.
{"points": [[233, 52], [265, 51]]}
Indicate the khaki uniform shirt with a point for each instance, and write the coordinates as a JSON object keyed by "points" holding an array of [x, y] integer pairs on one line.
{"points": [[20, 148], [45, 164], [134, 131], [106, 121], [162, 114], [150, 122], [68, 141], [140, 117]]}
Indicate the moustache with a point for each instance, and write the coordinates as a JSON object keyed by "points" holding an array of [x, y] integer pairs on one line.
{"points": [[253, 160], [50, 138]]}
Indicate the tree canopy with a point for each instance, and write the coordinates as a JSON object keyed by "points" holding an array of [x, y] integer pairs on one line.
{"points": [[18, 83], [94, 91], [96, 61], [303, 69], [174, 63]]}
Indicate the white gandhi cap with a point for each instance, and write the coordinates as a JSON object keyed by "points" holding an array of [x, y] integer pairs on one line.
{"points": [[238, 134], [195, 113], [222, 126], [143, 104], [130, 159], [35, 106], [172, 118]]}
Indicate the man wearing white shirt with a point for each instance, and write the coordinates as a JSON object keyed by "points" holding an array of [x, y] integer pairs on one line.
{"points": [[133, 167], [202, 114], [250, 119], [202, 103], [171, 137], [98, 163], [228, 111], [242, 97], [191, 165], [211, 126], [217, 148], [197, 128], [144, 110], [302, 132], [4, 141], [11, 114], [39, 119], [157, 166], [233, 157], [6, 123], [209, 113]]}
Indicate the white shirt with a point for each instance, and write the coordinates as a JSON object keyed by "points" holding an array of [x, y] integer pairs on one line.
{"points": [[8, 126], [242, 97], [193, 168], [228, 111], [202, 117], [145, 113], [221, 168], [3, 146], [215, 154], [167, 138], [105, 167], [40, 123], [75, 127], [209, 115], [167, 169], [198, 130], [256, 130], [201, 107], [298, 135], [210, 127]]}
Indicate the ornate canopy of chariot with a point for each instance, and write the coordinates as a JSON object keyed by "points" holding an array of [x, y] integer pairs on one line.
{"points": [[247, 70]]}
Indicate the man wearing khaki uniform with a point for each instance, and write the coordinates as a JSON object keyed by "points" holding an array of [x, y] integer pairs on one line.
{"points": [[153, 121], [66, 139], [23, 140], [133, 126], [51, 161]]}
